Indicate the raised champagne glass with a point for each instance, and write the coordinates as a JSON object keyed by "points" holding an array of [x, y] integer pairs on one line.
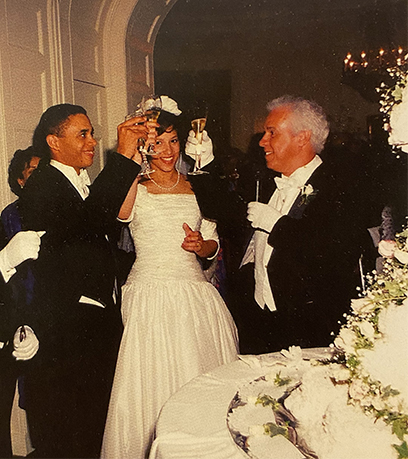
{"points": [[151, 106], [198, 124]]}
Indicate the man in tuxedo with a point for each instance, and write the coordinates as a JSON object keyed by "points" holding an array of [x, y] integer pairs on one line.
{"points": [[300, 267], [75, 311]]}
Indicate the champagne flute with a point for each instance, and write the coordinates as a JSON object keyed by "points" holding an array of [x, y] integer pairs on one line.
{"points": [[141, 144], [198, 124], [151, 106]]}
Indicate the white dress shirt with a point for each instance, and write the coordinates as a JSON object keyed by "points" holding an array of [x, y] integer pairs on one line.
{"points": [[80, 182], [259, 251]]}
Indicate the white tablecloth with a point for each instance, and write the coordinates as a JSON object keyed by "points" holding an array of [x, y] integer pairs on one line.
{"points": [[193, 423]]}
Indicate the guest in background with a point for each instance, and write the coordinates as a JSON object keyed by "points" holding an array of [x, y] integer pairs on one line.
{"points": [[22, 165], [19, 288], [75, 311], [17, 342], [301, 263]]}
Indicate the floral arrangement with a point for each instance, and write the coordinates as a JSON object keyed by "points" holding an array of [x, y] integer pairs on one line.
{"points": [[394, 106], [378, 320]]}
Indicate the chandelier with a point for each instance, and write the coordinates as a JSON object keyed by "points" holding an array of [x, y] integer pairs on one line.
{"points": [[368, 70]]}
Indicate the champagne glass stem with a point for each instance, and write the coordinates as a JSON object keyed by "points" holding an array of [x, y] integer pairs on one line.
{"points": [[145, 166], [198, 161]]}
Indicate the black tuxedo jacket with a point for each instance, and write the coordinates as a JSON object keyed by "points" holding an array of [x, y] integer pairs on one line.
{"points": [[313, 270], [68, 388], [76, 258]]}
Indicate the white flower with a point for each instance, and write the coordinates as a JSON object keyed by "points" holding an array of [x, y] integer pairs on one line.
{"points": [[395, 403], [379, 403], [369, 400], [358, 389], [401, 256], [170, 105], [307, 193], [345, 340], [361, 305], [339, 372], [367, 329], [294, 353], [399, 123], [307, 190], [256, 430], [387, 248]]}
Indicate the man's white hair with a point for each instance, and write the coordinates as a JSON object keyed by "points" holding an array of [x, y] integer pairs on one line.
{"points": [[305, 115]]}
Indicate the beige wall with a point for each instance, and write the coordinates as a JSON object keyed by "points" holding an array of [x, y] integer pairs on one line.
{"points": [[54, 51]]}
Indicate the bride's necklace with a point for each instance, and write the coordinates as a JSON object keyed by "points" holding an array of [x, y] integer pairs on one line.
{"points": [[166, 187]]}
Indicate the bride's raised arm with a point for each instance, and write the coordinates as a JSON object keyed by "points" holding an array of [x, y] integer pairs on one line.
{"points": [[127, 205]]}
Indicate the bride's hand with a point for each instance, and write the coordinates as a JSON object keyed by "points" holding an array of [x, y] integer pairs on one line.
{"points": [[129, 133], [193, 242]]}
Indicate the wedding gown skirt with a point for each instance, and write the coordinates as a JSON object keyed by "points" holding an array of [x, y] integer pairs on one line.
{"points": [[176, 325]]}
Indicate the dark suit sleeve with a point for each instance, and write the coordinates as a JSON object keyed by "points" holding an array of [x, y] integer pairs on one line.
{"points": [[49, 201], [217, 201], [110, 188]]}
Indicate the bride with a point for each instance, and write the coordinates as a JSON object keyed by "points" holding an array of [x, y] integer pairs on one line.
{"points": [[176, 326]]}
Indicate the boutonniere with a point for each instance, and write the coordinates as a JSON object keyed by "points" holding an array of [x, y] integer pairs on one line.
{"points": [[307, 194]]}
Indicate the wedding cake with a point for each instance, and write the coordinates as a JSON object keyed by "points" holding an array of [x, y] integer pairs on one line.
{"points": [[352, 400]]}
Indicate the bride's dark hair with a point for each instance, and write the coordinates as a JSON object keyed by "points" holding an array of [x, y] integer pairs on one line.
{"points": [[167, 120]]}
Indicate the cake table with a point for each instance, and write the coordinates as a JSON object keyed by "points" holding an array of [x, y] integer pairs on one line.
{"points": [[193, 422]]}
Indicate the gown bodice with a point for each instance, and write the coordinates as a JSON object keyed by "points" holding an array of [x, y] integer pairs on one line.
{"points": [[157, 231]]}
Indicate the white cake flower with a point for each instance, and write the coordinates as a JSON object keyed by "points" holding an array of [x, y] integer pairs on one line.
{"points": [[394, 105], [387, 248], [345, 340], [399, 123], [256, 430], [401, 256], [358, 390], [361, 305], [294, 355]]}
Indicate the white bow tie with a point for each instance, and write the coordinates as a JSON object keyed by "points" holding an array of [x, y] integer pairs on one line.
{"points": [[285, 182], [83, 181], [84, 177]]}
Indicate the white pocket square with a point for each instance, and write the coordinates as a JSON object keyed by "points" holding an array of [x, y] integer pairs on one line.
{"points": [[85, 299]]}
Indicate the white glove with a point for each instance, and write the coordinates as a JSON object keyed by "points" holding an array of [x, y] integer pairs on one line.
{"points": [[206, 148], [262, 216], [23, 246], [25, 343]]}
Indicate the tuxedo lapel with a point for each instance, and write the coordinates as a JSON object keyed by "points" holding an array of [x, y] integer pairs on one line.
{"points": [[63, 181], [302, 201]]}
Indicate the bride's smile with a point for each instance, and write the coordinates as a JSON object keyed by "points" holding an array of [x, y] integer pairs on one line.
{"points": [[167, 147]]}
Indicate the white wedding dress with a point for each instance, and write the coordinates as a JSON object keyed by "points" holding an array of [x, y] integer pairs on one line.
{"points": [[176, 325]]}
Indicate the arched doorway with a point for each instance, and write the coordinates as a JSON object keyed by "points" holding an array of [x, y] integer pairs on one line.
{"points": [[129, 34]]}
